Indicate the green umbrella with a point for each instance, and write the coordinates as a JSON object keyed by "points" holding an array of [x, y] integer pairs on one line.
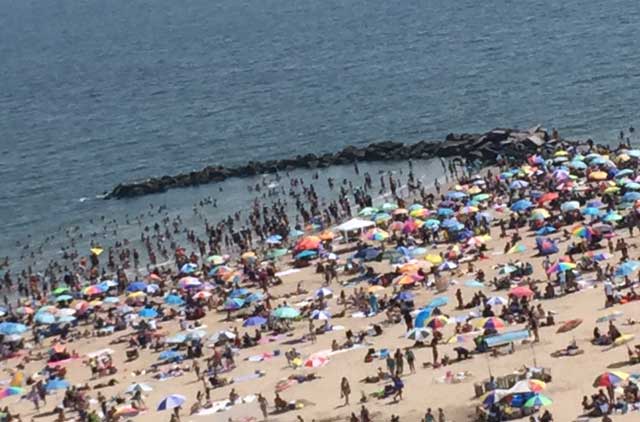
{"points": [[368, 211], [481, 197], [286, 313], [277, 253], [388, 206], [538, 400], [60, 290]]}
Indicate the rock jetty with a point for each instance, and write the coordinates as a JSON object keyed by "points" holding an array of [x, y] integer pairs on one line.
{"points": [[467, 146]]}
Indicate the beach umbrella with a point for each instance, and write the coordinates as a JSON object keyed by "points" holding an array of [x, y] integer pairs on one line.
{"points": [[186, 282], [423, 316], [610, 378], [45, 318], [437, 322], [494, 323], [56, 384], [239, 292], [111, 300], [320, 315], [286, 312], [521, 205], [11, 391], [474, 283], [188, 268], [201, 295], [623, 339], [169, 356], [92, 290], [8, 328], [584, 232], [316, 362], [137, 286], [418, 334], [276, 253], [540, 214], [445, 212], [434, 259], [497, 300], [545, 230], [375, 289], [23, 310], [139, 387], [233, 304], [308, 243], [254, 297], [517, 249], [254, 321], [518, 184], [389, 206], [560, 267], [627, 268], [611, 216], [598, 175], [597, 256], [124, 309], [60, 290], [216, 259], [569, 325], [173, 300], [171, 402], [404, 296], [538, 400], [591, 211], [481, 197], [447, 265], [306, 254], [65, 319], [507, 269], [576, 164], [148, 313], [547, 197], [570, 206], [274, 239], [610, 317], [368, 211], [223, 335], [376, 234], [323, 292], [64, 298], [521, 291]]}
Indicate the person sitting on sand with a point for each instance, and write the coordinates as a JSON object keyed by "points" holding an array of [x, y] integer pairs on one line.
{"points": [[279, 403]]}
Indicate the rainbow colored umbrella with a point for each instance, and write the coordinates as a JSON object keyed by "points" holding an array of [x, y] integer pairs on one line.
{"points": [[436, 322], [376, 234], [610, 378], [583, 232], [494, 323], [559, 267], [10, 391], [538, 400]]}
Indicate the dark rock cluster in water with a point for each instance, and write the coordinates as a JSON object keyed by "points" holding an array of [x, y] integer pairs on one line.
{"points": [[467, 146]]}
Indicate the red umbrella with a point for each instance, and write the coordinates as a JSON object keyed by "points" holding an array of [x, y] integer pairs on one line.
{"points": [[521, 291], [550, 196], [308, 243]]}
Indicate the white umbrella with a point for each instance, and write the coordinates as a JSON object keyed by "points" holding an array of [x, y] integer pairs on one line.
{"points": [[418, 334], [139, 387]]}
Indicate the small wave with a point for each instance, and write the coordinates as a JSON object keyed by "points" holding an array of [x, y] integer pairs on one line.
{"points": [[83, 199]]}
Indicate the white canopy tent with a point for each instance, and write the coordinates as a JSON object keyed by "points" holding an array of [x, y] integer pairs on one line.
{"points": [[354, 226]]}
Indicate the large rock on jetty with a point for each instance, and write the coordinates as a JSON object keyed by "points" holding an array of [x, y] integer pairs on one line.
{"points": [[466, 146]]}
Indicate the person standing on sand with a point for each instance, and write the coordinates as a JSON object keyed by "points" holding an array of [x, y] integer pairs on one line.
{"points": [[263, 406], [345, 390], [399, 362], [411, 360], [434, 347], [364, 414], [428, 417], [441, 417]]}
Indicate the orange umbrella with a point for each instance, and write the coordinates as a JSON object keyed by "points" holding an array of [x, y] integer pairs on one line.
{"points": [[327, 235], [405, 280], [598, 175], [308, 243]]}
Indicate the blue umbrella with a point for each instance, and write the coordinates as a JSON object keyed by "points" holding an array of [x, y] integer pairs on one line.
{"points": [[295, 233], [437, 302], [627, 268], [254, 321], [137, 286], [519, 184], [404, 296], [66, 318], [422, 316], [570, 206], [274, 239], [456, 195], [148, 313], [521, 205], [450, 223], [367, 254], [173, 300], [8, 328], [64, 298], [432, 223], [592, 211], [580, 165], [445, 212], [45, 318], [152, 288], [308, 254], [111, 299], [239, 293], [233, 303], [169, 355], [631, 196], [56, 384], [545, 230], [188, 268], [172, 401], [254, 297]]}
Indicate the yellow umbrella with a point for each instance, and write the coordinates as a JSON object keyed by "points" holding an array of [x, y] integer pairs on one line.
{"points": [[623, 339], [612, 189], [598, 175], [248, 255], [136, 295], [434, 259], [561, 153], [96, 251], [474, 190]]}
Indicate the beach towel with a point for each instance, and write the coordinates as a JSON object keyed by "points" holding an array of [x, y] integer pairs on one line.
{"points": [[248, 377]]}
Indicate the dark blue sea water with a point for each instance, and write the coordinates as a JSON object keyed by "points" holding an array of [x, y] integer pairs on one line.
{"points": [[97, 92]]}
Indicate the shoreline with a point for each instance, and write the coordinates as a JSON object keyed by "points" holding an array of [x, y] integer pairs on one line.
{"points": [[468, 147]]}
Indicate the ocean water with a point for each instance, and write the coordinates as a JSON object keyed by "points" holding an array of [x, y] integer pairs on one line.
{"points": [[93, 93]]}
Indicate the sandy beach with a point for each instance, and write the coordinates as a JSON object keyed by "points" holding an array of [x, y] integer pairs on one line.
{"points": [[450, 387]]}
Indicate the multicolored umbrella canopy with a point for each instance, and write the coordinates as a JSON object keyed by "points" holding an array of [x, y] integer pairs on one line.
{"points": [[610, 378], [286, 312], [172, 401], [437, 322], [418, 334], [10, 391], [538, 400]]}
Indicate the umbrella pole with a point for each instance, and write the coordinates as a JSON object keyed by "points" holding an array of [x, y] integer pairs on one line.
{"points": [[533, 352]]}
